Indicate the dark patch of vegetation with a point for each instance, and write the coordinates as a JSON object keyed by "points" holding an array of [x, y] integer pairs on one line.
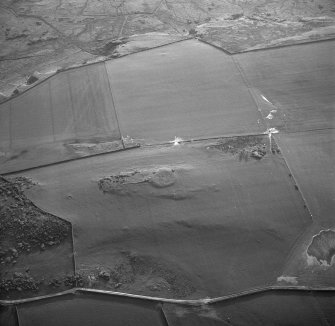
{"points": [[19, 282], [243, 146], [31, 80], [110, 47], [76, 280], [23, 226], [192, 31], [236, 16]]}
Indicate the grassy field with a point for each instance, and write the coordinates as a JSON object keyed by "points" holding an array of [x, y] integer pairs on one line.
{"points": [[221, 222], [87, 309], [189, 90], [298, 81]]}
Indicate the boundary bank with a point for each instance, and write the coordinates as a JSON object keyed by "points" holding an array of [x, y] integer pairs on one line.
{"points": [[189, 302]]}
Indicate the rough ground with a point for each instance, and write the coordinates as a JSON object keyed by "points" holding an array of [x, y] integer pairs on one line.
{"points": [[323, 247], [160, 178], [134, 273], [24, 231], [37, 38], [23, 226], [245, 147]]}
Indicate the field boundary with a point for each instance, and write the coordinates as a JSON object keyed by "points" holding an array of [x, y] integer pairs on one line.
{"points": [[69, 160], [163, 143], [189, 302], [63, 70], [163, 45], [274, 47]]}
